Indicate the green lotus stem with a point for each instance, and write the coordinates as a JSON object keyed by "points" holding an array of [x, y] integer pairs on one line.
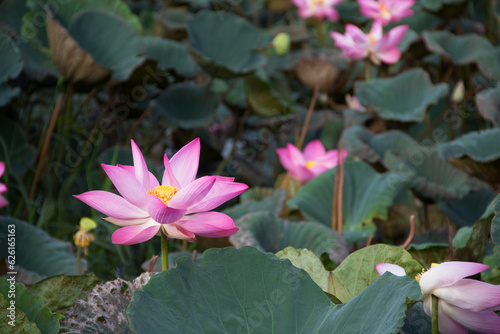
{"points": [[367, 70], [435, 327], [78, 260], [164, 251], [320, 32]]}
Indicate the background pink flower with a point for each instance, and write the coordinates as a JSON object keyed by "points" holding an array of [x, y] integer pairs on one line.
{"points": [[386, 11], [321, 9], [3, 187], [357, 45], [178, 205], [463, 303], [314, 161]]}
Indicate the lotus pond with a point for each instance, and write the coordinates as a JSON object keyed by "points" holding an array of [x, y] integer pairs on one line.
{"points": [[250, 166]]}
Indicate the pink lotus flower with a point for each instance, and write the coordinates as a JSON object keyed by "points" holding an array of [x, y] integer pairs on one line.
{"points": [[353, 103], [463, 303], [386, 11], [178, 206], [314, 161], [318, 8], [357, 45], [3, 187]]}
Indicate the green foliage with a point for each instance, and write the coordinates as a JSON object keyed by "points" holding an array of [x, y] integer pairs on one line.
{"points": [[229, 290], [31, 306], [269, 233], [403, 98], [315, 199], [61, 292], [495, 223], [358, 271], [36, 252]]}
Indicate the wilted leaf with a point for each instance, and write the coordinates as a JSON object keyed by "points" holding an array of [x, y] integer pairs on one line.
{"points": [[488, 104]]}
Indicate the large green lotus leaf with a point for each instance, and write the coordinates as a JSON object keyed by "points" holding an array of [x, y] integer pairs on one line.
{"points": [[473, 245], [118, 46], [428, 174], [226, 45], [36, 251], [492, 274], [477, 153], [461, 50], [468, 210], [417, 321], [482, 146], [269, 233], [489, 63], [264, 98], [246, 291], [31, 305], [404, 97], [308, 261], [274, 204], [104, 309], [366, 195], [361, 142], [12, 62], [488, 104], [495, 223], [187, 105], [171, 55], [21, 323], [60, 292], [358, 270], [428, 253]]}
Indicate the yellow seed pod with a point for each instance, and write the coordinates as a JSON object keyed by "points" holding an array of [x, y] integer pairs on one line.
{"points": [[281, 43], [87, 224]]}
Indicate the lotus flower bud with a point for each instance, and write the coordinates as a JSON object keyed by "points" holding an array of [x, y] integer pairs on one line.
{"points": [[281, 43], [458, 92]]}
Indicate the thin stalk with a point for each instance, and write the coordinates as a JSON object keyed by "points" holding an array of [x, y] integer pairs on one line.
{"points": [[308, 117], [164, 251], [320, 32], [340, 193], [412, 232], [367, 70], [435, 327], [184, 245], [450, 241], [59, 107], [78, 260]]}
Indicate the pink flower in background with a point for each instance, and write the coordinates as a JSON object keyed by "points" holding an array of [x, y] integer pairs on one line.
{"points": [[321, 9], [178, 206], [314, 161], [357, 45], [463, 303], [386, 11], [353, 103], [3, 187]]}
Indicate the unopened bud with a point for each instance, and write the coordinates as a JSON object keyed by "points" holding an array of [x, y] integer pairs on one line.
{"points": [[281, 43], [458, 92]]}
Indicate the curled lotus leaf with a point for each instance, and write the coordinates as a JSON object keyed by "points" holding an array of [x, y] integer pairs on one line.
{"points": [[477, 153], [461, 50]]}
